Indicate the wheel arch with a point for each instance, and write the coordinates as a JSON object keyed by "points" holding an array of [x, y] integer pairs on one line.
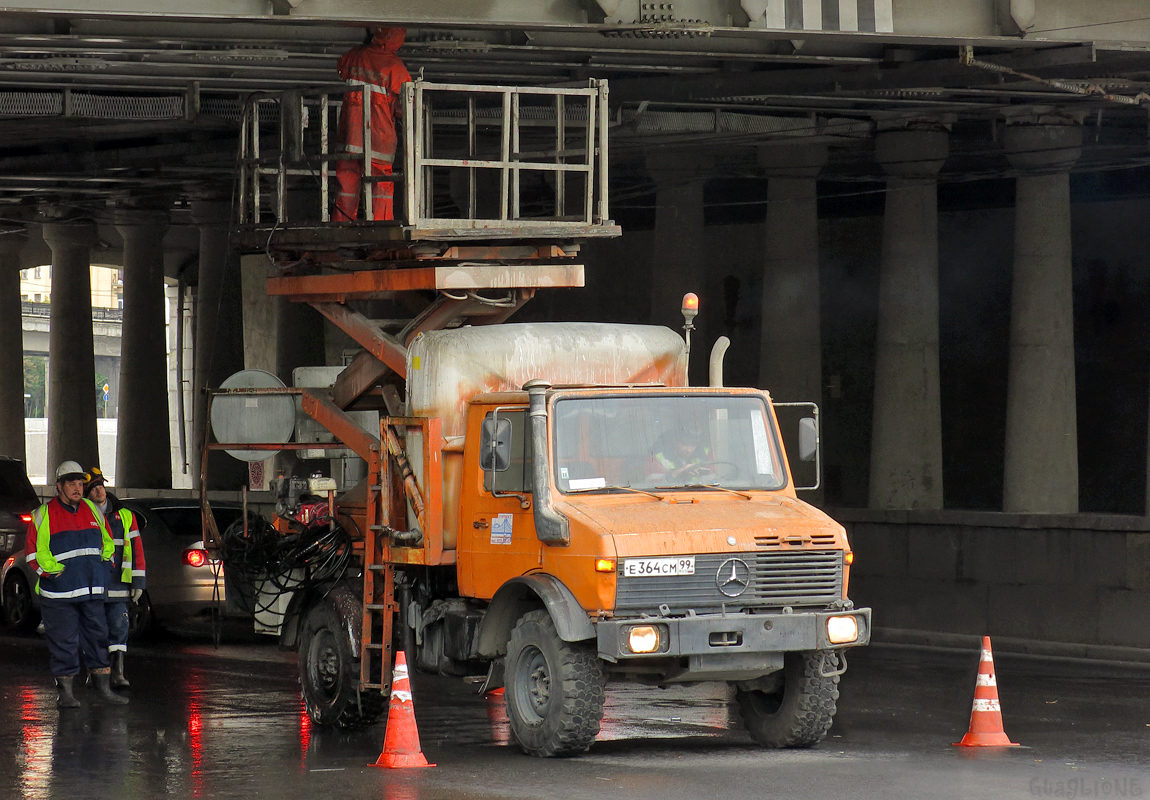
{"points": [[526, 593]]}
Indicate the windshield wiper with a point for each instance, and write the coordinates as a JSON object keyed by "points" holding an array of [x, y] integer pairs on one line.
{"points": [[624, 487], [709, 486]]}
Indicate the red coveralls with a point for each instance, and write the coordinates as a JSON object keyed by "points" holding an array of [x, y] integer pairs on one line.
{"points": [[375, 64]]}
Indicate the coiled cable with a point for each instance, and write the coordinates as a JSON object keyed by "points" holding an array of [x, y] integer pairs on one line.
{"points": [[266, 563]]}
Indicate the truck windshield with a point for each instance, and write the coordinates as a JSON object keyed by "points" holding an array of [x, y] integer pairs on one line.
{"points": [[665, 442]]}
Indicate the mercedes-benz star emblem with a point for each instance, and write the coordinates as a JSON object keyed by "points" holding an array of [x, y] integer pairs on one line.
{"points": [[733, 577]]}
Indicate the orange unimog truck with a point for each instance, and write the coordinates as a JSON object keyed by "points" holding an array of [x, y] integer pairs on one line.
{"points": [[573, 513], [547, 504], [612, 523]]}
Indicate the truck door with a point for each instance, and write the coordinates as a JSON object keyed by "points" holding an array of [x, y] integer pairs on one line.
{"points": [[503, 530]]}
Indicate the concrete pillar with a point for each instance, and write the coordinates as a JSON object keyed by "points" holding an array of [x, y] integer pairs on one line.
{"points": [[299, 338], [906, 441], [72, 382], [1041, 454], [219, 332], [790, 358], [679, 264], [143, 450], [11, 348]]}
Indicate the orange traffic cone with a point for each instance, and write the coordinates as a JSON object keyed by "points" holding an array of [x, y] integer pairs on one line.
{"points": [[986, 716], [401, 741]]}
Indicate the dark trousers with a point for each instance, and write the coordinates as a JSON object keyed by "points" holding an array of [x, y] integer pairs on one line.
{"points": [[117, 614], [72, 628]]}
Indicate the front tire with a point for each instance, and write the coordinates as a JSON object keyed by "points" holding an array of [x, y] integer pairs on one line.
{"points": [[20, 614], [799, 712], [329, 675], [555, 689]]}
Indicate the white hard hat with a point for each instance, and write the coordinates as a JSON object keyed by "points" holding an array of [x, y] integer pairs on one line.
{"points": [[69, 470]]}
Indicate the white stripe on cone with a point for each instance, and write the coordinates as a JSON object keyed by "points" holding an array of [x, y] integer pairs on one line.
{"points": [[986, 656], [986, 680], [986, 705]]}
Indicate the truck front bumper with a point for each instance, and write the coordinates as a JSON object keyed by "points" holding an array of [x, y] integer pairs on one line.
{"points": [[728, 646]]}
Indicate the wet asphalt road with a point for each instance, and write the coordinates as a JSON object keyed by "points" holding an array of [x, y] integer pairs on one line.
{"points": [[228, 722]]}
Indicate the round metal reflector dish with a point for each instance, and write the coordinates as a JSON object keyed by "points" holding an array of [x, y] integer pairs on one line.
{"points": [[267, 418]]}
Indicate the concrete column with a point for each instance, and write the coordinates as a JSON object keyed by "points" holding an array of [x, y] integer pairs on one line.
{"points": [[679, 263], [790, 358], [143, 450], [219, 332], [906, 441], [1041, 455], [72, 382], [299, 338], [11, 348]]}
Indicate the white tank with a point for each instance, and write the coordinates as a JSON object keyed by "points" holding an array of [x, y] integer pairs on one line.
{"points": [[445, 369]]}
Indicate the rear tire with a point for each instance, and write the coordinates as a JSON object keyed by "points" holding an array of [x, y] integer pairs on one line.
{"points": [[329, 674], [20, 615], [555, 689], [800, 712]]}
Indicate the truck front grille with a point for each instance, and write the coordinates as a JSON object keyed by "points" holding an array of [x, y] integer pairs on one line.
{"points": [[795, 578]]}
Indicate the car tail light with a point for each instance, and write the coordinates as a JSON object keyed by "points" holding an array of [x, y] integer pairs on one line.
{"points": [[25, 518], [195, 557]]}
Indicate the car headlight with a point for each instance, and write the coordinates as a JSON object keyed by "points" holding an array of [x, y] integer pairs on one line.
{"points": [[644, 639], [842, 630]]}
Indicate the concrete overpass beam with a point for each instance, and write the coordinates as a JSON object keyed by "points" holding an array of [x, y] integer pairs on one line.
{"points": [[906, 442], [143, 449], [1041, 469], [11, 348], [72, 370]]}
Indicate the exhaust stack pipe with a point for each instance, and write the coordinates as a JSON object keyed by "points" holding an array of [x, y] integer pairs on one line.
{"points": [[716, 367], [551, 527]]}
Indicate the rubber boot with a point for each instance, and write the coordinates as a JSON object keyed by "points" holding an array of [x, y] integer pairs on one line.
{"points": [[118, 679], [64, 689], [101, 679]]}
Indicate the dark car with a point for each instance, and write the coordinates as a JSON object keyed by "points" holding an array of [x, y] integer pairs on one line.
{"points": [[17, 502], [183, 580]]}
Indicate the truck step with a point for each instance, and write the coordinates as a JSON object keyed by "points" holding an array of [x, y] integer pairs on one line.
{"points": [[374, 646], [380, 606]]}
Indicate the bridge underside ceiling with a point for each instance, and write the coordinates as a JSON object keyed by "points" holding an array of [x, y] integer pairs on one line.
{"points": [[121, 100]]}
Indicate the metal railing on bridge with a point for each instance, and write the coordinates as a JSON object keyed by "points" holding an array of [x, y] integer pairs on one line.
{"points": [[471, 158]]}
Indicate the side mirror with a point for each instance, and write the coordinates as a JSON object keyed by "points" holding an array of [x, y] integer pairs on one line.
{"points": [[495, 445], [808, 438]]}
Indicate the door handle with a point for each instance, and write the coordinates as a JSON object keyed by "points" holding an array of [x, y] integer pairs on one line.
{"points": [[480, 523]]}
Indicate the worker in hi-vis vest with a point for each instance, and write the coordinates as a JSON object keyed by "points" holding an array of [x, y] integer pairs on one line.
{"points": [[127, 581], [374, 64], [70, 548]]}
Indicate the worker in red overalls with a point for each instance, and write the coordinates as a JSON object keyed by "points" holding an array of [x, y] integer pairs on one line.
{"points": [[376, 64]]}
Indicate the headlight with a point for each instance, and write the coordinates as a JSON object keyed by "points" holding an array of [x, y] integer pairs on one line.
{"points": [[842, 630], [644, 639]]}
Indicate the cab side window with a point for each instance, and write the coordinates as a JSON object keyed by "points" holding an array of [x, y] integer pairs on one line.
{"points": [[517, 477]]}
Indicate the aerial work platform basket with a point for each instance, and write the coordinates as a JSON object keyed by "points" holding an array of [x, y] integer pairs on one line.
{"points": [[480, 163]]}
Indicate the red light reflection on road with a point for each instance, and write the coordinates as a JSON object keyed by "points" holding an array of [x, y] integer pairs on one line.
{"points": [[196, 733], [36, 759], [304, 735]]}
